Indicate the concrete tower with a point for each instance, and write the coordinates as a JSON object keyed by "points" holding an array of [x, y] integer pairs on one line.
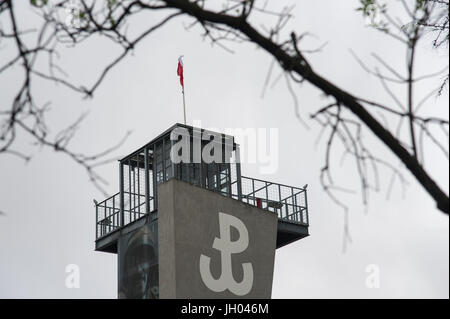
{"points": [[186, 224]]}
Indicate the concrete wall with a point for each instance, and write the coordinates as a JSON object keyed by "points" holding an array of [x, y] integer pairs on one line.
{"points": [[188, 228]]}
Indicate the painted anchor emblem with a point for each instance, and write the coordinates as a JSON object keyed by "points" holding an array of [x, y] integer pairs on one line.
{"points": [[227, 248]]}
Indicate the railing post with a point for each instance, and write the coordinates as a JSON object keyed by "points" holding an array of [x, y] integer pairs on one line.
{"points": [[106, 217], [279, 200], [239, 181], [163, 158], [132, 186], [130, 201], [253, 191], [147, 181], [267, 195], [96, 221], [296, 207], [292, 201], [237, 154], [138, 163], [155, 184], [122, 204], [306, 209], [114, 212]]}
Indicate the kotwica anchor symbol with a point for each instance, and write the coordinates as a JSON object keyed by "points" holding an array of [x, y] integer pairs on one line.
{"points": [[227, 248]]}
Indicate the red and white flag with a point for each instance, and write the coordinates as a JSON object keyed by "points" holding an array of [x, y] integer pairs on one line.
{"points": [[180, 70]]}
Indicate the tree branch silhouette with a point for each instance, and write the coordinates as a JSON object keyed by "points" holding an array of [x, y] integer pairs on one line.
{"points": [[346, 118]]}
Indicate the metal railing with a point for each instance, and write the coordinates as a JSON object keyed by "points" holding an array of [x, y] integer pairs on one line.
{"points": [[288, 202], [108, 213]]}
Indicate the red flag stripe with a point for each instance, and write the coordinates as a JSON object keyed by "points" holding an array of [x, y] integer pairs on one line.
{"points": [[180, 71]]}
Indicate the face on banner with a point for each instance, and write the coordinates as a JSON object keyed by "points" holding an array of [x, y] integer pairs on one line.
{"points": [[138, 264]]}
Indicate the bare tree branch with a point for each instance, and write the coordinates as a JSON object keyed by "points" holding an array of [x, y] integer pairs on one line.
{"points": [[347, 118]]}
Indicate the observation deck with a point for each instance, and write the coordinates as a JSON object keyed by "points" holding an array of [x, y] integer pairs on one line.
{"points": [[173, 154]]}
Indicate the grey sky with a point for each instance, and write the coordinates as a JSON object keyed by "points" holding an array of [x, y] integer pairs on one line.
{"points": [[49, 220]]}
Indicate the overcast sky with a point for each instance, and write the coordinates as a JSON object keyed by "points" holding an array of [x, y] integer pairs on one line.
{"points": [[50, 216]]}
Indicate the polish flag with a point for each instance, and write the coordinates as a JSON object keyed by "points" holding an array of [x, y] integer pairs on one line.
{"points": [[180, 70]]}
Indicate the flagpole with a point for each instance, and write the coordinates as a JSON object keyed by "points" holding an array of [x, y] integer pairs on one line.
{"points": [[184, 106]]}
